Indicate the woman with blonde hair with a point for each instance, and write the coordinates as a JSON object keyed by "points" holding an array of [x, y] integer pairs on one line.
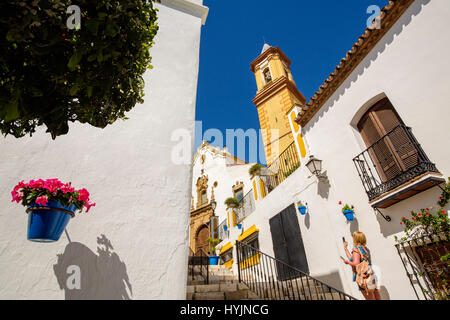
{"points": [[359, 254]]}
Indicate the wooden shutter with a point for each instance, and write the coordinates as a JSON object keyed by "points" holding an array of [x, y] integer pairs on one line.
{"points": [[389, 145]]}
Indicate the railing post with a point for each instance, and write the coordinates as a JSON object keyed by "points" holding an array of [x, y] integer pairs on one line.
{"points": [[238, 260], [207, 272]]}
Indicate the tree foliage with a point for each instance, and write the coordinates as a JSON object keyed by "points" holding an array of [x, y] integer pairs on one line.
{"points": [[50, 74]]}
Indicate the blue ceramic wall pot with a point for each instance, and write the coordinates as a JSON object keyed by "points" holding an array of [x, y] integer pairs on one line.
{"points": [[348, 215], [239, 225], [213, 260], [302, 209], [47, 223]]}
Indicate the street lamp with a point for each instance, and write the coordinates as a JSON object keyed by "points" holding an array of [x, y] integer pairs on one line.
{"points": [[213, 205], [213, 220], [315, 166]]}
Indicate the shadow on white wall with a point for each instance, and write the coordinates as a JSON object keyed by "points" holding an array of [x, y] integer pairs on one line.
{"points": [[100, 277]]}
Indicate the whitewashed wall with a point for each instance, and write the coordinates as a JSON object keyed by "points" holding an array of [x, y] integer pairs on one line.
{"points": [[142, 197], [410, 66]]}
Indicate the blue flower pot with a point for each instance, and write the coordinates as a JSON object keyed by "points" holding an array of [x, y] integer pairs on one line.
{"points": [[302, 209], [225, 228], [47, 225], [348, 215], [213, 260], [239, 225]]}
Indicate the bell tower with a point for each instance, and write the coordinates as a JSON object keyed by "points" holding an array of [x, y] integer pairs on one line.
{"points": [[275, 97]]}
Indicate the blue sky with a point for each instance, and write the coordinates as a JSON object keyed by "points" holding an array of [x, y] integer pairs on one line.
{"points": [[315, 35]]}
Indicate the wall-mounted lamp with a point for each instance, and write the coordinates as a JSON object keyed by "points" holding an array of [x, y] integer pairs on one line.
{"points": [[315, 166], [213, 205]]}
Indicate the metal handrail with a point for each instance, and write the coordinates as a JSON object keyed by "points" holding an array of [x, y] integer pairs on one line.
{"points": [[257, 272], [200, 259]]}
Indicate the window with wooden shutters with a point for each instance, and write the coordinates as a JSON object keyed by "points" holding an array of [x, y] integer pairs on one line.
{"points": [[393, 158], [391, 150]]}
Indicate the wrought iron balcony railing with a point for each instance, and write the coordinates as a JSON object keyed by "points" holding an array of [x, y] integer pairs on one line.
{"points": [[221, 232], [282, 167], [246, 206], [393, 160]]}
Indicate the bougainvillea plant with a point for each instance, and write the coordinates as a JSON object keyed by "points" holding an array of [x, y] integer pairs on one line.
{"points": [[42, 191], [426, 222], [51, 74]]}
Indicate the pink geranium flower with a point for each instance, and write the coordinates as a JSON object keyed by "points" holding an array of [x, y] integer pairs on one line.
{"points": [[88, 206], [16, 196], [42, 200], [49, 190], [83, 195]]}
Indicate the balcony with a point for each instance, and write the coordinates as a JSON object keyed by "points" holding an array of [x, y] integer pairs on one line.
{"points": [[282, 167], [246, 206], [395, 168]]}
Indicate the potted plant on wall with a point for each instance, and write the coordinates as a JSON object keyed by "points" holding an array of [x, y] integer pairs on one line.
{"points": [[232, 203], [213, 258], [50, 205], [301, 208], [255, 170], [348, 211]]}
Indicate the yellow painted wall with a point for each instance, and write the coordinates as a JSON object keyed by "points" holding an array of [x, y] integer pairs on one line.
{"points": [[258, 77], [229, 264], [272, 115], [251, 261], [273, 112]]}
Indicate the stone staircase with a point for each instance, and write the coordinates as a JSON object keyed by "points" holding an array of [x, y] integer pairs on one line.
{"points": [[223, 285]]}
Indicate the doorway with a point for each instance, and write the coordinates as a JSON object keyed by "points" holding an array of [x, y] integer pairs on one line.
{"points": [[201, 241], [288, 244]]}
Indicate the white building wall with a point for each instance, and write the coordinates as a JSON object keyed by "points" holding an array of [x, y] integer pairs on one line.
{"points": [[410, 66], [142, 197]]}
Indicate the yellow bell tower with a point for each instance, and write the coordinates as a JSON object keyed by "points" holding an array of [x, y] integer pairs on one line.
{"points": [[275, 97]]}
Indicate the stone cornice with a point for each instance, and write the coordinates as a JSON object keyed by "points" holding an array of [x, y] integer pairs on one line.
{"points": [[271, 50], [203, 208], [190, 7], [276, 86]]}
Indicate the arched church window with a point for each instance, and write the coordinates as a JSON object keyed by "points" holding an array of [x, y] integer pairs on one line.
{"points": [[204, 199]]}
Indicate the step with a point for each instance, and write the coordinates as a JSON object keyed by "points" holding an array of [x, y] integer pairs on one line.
{"points": [[221, 291], [208, 296]]}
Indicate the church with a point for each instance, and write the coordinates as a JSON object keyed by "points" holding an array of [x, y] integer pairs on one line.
{"points": [[360, 155]]}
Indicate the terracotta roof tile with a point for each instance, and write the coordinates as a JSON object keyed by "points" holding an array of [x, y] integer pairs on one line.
{"points": [[389, 15]]}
